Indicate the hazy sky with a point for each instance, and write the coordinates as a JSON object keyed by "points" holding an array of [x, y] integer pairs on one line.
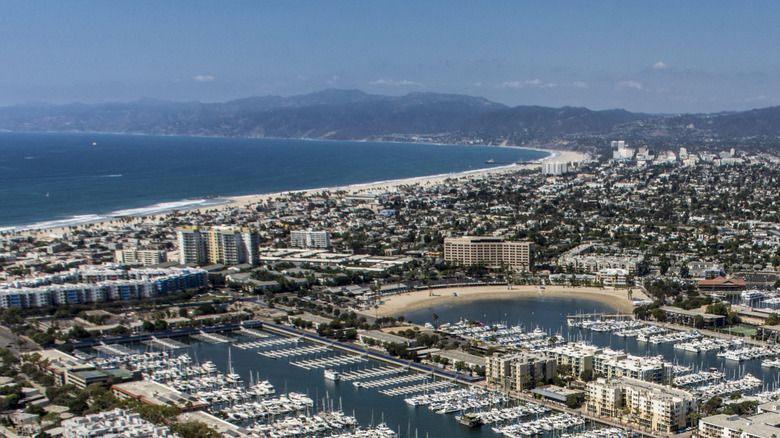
{"points": [[652, 56]]}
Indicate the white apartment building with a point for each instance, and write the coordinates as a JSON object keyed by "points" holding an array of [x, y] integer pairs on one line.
{"points": [[310, 239], [612, 277], [613, 363], [555, 167], [135, 256], [656, 407], [580, 357]]}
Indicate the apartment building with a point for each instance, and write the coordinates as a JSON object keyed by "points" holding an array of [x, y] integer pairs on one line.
{"points": [[310, 239], [657, 407], [520, 371], [489, 251]]}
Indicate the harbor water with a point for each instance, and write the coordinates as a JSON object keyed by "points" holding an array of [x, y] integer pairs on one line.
{"points": [[370, 406]]}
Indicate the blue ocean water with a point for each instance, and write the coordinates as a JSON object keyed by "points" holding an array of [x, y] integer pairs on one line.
{"points": [[48, 177]]}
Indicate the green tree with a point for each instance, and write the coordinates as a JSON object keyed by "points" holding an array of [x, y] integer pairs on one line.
{"points": [[771, 319], [194, 429]]}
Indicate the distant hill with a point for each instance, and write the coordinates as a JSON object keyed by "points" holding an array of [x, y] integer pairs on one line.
{"points": [[355, 115]]}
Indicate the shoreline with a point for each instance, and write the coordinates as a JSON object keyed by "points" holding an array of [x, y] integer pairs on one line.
{"points": [[396, 305], [159, 210]]}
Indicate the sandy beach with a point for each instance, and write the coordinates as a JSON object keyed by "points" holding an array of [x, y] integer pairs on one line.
{"points": [[248, 200], [397, 305], [558, 156]]}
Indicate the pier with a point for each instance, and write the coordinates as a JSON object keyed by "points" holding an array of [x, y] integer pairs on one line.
{"points": [[164, 344], [211, 338], [252, 333], [369, 373], [114, 349], [275, 342], [292, 352], [326, 362]]}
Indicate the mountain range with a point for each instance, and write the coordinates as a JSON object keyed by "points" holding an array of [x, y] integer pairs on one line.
{"points": [[431, 117]]}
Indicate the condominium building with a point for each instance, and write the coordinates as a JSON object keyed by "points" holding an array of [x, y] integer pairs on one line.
{"points": [[310, 239], [135, 256], [611, 363], [520, 371], [227, 245], [612, 277], [579, 356], [489, 250], [594, 263], [656, 407]]}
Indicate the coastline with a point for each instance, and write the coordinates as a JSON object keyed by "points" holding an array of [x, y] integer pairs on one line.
{"points": [[396, 305], [55, 228]]}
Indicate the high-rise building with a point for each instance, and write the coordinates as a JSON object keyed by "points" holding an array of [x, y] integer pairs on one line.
{"points": [[227, 245], [489, 250], [310, 239], [555, 167]]}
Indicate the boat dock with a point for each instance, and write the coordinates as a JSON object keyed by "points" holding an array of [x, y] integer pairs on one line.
{"points": [[275, 342], [326, 362], [369, 373], [114, 349], [252, 333], [164, 344], [416, 377], [292, 352], [211, 338], [422, 387]]}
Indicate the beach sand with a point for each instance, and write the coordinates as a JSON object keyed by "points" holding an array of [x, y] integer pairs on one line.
{"points": [[397, 305], [249, 200]]}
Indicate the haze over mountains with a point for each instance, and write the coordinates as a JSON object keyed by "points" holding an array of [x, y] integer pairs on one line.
{"points": [[431, 117]]}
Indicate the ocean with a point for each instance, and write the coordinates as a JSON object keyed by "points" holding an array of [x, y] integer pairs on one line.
{"points": [[49, 180]]}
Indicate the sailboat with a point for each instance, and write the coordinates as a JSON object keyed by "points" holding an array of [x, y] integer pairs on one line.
{"points": [[232, 377]]}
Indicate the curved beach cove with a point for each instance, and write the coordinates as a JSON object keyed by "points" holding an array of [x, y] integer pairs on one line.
{"points": [[402, 304]]}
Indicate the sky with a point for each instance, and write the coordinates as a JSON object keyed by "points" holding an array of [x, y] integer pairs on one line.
{"points": [[644, 56]]}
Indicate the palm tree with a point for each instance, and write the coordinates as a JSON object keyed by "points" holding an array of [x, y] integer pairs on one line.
{"points": [[436, 320]]}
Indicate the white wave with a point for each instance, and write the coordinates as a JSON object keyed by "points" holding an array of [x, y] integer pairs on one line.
{"points": [[164, 207], [71, 221], [115, 175]]}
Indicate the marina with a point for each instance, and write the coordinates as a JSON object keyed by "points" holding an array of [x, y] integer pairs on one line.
{"points": [[249, 399]]}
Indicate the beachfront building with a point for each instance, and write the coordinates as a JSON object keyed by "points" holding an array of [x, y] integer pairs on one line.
{"points": [[520, 371], [114, 423], [310, 239], [225, 245], [656, 407], [612, 277], [489, 251]]}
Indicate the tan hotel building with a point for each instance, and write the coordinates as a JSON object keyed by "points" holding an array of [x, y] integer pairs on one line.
{"points": [[489, 251]]}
